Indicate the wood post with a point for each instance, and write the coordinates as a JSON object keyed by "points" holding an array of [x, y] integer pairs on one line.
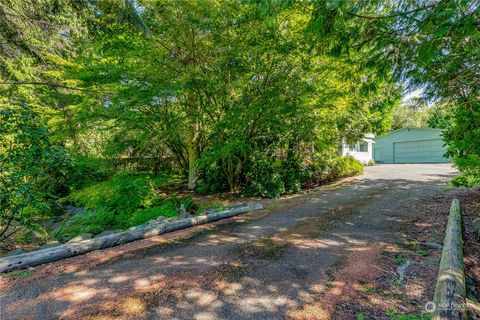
{"points": [[450, 290], [66, 250]]}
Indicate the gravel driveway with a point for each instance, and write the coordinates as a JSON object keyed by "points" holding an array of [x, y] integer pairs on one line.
{"points": [[267, 265]]}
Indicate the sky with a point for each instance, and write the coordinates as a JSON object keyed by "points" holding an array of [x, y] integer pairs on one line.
{"points": [[412, 94]]}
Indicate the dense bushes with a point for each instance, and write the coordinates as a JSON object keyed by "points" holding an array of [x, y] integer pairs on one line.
{"points": [[32, 169], [128, 198], [470, 171], [236, 96], [270, 177], [267, 176], [346, 167], [334, 168], [124, 192], [86, 171], [293, 174]]}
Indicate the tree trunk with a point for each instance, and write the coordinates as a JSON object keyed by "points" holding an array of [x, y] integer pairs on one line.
{"points": [[232, 170], [193, 149]]}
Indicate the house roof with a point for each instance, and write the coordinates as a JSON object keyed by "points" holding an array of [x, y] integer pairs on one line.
{"points": [[414, 128]]}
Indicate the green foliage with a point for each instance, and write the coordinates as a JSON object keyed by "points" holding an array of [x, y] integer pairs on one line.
{"points": [[122, 194], [392, 314], [432, 45], [346, 167], [265, 178], [87, 171], [32, 170], [238, 96], [211, 179], [273, 179], [470, 167], [126, 199], [168, 209], [465, 180], [19, 274], [440, 115], [416, 114], [100, 220], [411, 114], [216, 109], [360, 316]]}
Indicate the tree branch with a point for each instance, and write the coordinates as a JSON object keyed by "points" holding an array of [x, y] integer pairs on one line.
{"points": [[50, 84], [393, 15]]}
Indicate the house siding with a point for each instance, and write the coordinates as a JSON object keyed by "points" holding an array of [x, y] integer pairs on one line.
{"points": [[410, 145], [362, 156]]}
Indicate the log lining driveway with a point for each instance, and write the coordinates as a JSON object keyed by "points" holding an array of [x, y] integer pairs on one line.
{"points": [[264, 265]]}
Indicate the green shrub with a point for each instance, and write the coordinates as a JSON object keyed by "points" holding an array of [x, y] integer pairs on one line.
{"points": [[272, 177], [32, 170], [469, 167], [295, 173], [392, 314], [211, 179], [264, 177], [87, 171], [124, 192], [95, 222], [84, 222], [325, 170], [267, 174], [465, 180], [346, 167], [168, 209], [126, 199]]}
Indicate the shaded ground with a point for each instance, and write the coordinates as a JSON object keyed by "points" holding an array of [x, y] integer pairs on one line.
{"points": [[331, 254]]}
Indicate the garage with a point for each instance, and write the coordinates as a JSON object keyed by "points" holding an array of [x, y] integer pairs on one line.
{"points": [[410, 145]]}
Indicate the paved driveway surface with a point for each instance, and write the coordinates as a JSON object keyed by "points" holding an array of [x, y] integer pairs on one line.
{"points": [[264, 268]]}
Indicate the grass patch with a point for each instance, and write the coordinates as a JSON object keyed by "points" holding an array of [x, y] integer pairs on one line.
{"points": [[393, 314], [415, 246], [360, 316], [265, 249], [400, 258], [19, 274], [368, 288]]}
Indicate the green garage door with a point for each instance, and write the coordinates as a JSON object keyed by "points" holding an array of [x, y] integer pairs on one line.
{"points": [[424, 151]]}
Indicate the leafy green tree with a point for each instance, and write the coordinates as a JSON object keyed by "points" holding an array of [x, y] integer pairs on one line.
{"points": [[440, 115], [432, 44], [215, 85], [30, 169]]}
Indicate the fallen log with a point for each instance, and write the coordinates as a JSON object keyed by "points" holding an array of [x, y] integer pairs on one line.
{"points": [[450, 290], [67, 250]]}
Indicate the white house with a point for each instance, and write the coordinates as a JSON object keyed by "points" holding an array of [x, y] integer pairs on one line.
{"points": [[361, 150]]}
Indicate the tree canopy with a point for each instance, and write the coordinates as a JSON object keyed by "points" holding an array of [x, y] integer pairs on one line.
{"points": [[251, 97]]}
